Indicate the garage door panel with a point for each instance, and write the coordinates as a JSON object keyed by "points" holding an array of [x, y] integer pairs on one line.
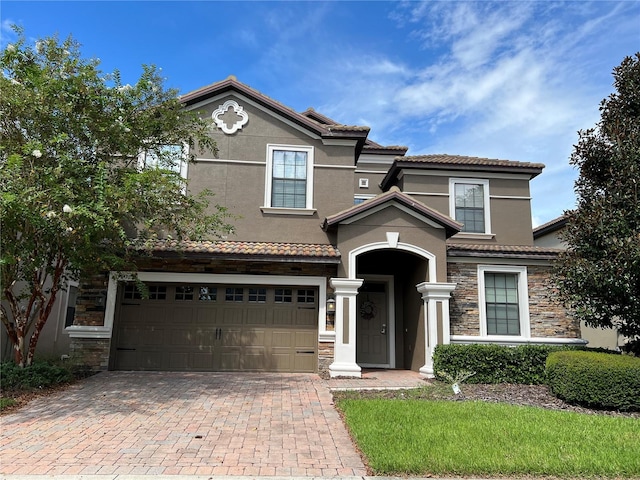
{"points": [[178, 360], [282, 361], [253, 336], [283, 316], [232, 316], [230, 359], [305, 363], [182, 315], [127, 360], [136, 335], [231, 337], [282, 339], [145, 314], [195, 337], [207, 315], [256, 316], [203, 361], [225, 329], [306, 340], [255, 358], [306, 318], [150, 360]]}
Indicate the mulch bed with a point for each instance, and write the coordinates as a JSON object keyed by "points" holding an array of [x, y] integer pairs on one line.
{"points": [[525, 395]]}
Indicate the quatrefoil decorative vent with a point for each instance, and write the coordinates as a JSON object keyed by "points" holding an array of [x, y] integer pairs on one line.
{"points": [[241, 115]]}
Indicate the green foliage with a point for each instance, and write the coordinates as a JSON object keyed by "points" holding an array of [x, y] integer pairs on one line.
{"points": [[38, 375], [599, 275], [89, 169], [7, 402], [597, 380], [494, 363]]}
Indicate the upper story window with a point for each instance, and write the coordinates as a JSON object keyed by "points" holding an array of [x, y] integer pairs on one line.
{"points": [[503, 300], [469, 204], [358, 199], [289, 182], [166, 157]]}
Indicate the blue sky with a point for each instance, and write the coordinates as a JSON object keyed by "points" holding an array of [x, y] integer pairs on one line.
{"points": [[509, 80]]}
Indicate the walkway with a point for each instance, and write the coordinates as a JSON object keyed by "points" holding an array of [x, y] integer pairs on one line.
{"points": [[157, 423]]}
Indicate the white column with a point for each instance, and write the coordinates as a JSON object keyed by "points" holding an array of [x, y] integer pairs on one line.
{"points": [[344, 350], [432, 294]]}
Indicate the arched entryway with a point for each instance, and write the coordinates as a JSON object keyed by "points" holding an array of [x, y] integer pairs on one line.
{"points": [[386, 315]]}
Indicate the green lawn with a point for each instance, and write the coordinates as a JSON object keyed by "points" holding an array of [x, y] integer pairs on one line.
{"points": [[476, 438]]}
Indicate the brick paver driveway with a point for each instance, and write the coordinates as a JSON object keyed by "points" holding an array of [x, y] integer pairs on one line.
{"points": [[181, 423]]}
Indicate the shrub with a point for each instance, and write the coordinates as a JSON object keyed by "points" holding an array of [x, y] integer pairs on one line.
{"points": [[596, 380], [39, 375], [495, 363]]}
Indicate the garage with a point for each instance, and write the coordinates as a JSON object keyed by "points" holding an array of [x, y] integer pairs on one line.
{"points": [[216, 327]]}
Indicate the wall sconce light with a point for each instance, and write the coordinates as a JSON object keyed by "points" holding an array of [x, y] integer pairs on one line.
{"points": [[331, 306]]}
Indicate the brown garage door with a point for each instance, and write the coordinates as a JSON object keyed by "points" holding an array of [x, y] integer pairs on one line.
{"points": [[194, 327]]}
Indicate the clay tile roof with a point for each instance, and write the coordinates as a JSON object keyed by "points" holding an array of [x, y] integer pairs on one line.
{"points": [[249, 250], [460, 162], [502, 251], [318, 117], [551, 226], [464, 160], [373, 146]]}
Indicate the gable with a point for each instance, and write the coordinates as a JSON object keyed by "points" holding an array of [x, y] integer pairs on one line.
{"points": [[392, 202], [335, 134]]}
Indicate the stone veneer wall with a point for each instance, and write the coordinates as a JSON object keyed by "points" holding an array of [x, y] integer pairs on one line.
{"points": [[548, 317], [325, 356], [90, 312], [93, 352]]}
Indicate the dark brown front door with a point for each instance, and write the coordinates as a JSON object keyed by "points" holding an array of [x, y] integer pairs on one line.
{"points": [[372, 328]]}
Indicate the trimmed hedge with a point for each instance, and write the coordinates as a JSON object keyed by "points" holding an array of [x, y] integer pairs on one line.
{"points": [[596, 380], [523, 364]]}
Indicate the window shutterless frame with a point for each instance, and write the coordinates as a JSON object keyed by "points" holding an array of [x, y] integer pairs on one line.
{"points": [[489, 301], [469, 203], [289, 179]]}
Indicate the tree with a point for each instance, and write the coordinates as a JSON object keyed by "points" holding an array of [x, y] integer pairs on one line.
{"points": [[89, 170], [599, 275]]}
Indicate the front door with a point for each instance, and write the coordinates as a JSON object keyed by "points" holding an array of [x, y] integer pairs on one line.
{"points": [[372, 327]]}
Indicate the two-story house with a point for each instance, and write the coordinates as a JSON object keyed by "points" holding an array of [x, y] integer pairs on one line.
{"points": [[347, 254]]}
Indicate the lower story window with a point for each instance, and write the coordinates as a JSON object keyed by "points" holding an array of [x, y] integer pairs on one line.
{"points": [[503, 300], [501, 295]]}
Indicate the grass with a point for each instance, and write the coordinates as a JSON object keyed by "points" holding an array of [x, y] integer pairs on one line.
{"points": [[439, 437], [7, 402]]}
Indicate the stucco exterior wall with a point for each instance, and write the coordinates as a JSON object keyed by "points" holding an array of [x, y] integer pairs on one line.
{"points": [[374, 228], [241, 186], [510, 204]]}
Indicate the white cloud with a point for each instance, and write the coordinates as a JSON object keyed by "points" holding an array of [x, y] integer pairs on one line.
{"points": [[511, 80], [7, 35]]}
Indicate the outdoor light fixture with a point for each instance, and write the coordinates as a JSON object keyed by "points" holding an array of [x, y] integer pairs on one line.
{"points": [[331, 306]]}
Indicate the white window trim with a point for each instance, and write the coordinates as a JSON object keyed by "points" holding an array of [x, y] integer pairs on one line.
{"points": [[184, 162], [486, 200], [62, 308], [523, 301], [363, 196], [266, 207]]}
